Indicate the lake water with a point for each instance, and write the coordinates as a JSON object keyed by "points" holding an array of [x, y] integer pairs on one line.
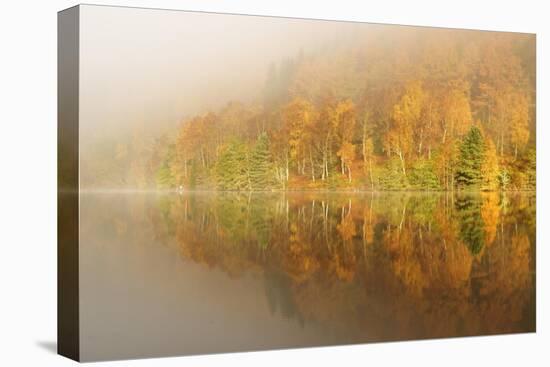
{"points": [[203, 272]]}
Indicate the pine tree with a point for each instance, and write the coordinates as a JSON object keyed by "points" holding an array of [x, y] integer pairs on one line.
{"points": [[260, 164], [470, 160], [232, 168]]}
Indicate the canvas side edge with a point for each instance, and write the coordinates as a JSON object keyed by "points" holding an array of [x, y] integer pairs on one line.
{"points": [[68, 330]]}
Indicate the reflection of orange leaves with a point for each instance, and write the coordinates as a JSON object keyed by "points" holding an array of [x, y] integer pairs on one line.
{"points": [[344, 270], [344, 266], [405, 262], [421, 261], [507, 287], [410, 273], [298, 259], [519, 259], [347, 228], [454, 271], [490, 214], [293, 233], [368, 232], [299, 264]]}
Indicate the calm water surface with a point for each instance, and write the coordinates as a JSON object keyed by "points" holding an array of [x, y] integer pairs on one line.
{"points": [[169, 274]]}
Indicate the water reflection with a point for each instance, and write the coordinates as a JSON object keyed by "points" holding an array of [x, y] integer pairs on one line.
{"points": [[301, 269], [371, 266]]}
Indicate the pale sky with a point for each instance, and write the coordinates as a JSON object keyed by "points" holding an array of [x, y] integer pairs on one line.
{"points": [[153, 67]]}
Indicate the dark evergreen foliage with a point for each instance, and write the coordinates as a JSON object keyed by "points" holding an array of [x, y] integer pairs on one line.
{"points": [[468, 172], [260, 166], [232, 168]]}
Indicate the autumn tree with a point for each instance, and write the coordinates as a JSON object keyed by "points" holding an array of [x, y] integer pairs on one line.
{"points": [[260, 165], [344, 126], [327, 127], [347, 156], [406, 116], [298, 118], [367, 148], [519, 122], [280, 152], [456, 116], [489, 166]]}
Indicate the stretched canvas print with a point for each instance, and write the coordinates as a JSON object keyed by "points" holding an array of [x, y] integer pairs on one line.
{"points": [[234, 183]]}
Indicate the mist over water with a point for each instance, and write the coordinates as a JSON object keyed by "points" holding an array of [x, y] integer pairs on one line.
{"points": [[206, 272]]}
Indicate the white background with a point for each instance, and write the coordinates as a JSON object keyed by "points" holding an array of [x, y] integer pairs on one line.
{"points": [[28, 182]]}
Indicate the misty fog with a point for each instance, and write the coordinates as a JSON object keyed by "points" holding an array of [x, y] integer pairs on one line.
{"points": [[151, 68]]}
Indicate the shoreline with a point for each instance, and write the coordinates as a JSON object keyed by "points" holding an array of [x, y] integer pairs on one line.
{"points": [[323, 191]]}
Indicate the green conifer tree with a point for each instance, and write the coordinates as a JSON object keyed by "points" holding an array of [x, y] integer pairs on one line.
{"points": [[260, 164], [470, 160], [232, 168]]}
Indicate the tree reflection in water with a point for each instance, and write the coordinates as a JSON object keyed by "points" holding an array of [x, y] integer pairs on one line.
{"points": [[371, 266]]}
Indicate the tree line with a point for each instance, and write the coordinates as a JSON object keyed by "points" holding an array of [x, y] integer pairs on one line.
{"points": [[438, 110]]}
